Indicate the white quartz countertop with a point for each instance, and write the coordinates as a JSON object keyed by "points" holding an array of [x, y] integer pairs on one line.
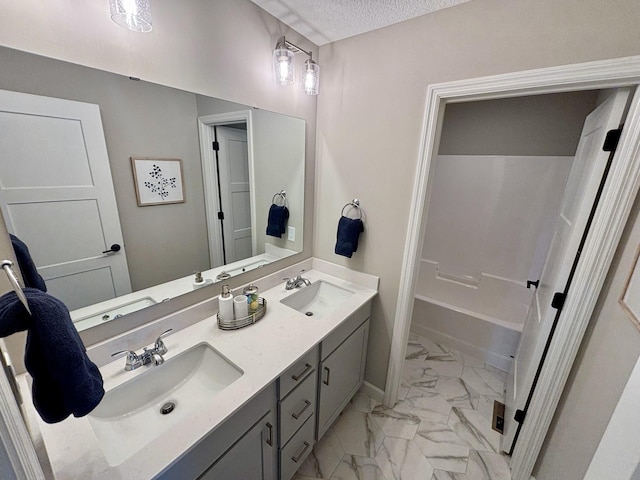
{"points": [[262, 351]]}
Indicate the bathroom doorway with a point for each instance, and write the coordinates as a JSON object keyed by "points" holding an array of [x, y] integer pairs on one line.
{"points": [[232, 167], [227, 171], [588, 277]]}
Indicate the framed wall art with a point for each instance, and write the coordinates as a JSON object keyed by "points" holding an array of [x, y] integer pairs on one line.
{"points": [[158, 181]]}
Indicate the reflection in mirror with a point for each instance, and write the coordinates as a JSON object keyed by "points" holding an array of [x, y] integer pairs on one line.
{"points": [[111, 235]]}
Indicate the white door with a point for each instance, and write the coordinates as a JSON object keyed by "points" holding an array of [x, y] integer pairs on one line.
{"points": [[54, 170], [581, 189], [235, 199]]}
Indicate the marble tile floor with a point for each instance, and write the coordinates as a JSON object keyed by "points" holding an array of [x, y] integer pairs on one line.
{"points": [[439, 430]]}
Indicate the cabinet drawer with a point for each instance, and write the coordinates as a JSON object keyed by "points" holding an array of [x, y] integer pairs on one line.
{"points": [[297, 450], [299, 405], [297, 373]]}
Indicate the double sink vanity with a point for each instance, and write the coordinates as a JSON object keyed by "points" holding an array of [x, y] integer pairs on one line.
{"points": [[243, 404]]}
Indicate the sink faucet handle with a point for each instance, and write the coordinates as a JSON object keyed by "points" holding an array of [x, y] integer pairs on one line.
{"points": [[133, 360], [130, 352], [159, 346]]}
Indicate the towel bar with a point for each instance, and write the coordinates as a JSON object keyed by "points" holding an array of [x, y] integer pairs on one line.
{"points": [[6, 266], [355, 203]]}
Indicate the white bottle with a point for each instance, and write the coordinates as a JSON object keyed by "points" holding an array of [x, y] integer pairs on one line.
{"points": [[225, 304]]}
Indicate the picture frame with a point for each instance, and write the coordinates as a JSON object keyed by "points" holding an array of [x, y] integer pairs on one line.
{"points": [[630, 297], [158, 181]]}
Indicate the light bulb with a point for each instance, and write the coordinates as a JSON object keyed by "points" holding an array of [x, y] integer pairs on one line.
{"points": [[283, 66], [311, 77], [132, 14]]}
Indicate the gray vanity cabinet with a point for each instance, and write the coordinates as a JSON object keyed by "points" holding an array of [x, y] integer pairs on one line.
{"points": [[250, 457], [270, 437], [243, 447], [341, 372]]}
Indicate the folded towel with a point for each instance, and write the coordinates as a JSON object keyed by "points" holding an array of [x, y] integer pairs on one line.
{"points": [[65, 381], [30, 274], [349, 230], [277, 222]]}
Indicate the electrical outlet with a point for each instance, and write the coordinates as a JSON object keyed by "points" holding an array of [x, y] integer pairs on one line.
{"points": [[291, 236]]}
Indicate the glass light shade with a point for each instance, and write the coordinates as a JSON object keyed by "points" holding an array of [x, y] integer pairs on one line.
{"points": [[311, 79], [283, 66], [132, 14]]}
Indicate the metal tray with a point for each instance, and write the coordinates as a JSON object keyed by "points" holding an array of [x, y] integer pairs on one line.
{"points": [[244, 321]]}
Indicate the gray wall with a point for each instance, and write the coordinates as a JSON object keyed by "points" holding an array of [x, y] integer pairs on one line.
{"points": [[533, 125], [371, 116], [371, 112]]}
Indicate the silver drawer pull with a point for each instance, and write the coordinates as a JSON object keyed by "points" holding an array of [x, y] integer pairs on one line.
{"points": [[307, 367], [307, 404], [296, 458], [270, 439]]}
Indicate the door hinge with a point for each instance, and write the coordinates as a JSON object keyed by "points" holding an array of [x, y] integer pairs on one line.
{"points": [[611, 140], [215, 146], [558, 300], [519, 416], [220, 215], [531, 283]]}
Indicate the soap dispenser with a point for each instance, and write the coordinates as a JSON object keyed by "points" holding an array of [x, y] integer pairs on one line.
{"points": [[225, 304], [199, 281]]}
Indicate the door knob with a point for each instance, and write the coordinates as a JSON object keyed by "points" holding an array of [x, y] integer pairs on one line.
{"points": [[114, 248]]}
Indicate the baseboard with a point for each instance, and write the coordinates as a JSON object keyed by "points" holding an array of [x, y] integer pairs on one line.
{"points": [[373, 391], [494, 359]]}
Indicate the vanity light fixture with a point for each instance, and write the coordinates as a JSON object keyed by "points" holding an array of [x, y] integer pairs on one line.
{"points": [[132, 14], [283, 70]]}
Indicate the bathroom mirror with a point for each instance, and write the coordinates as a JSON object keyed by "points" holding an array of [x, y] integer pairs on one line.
{"points": [[218, 224]]}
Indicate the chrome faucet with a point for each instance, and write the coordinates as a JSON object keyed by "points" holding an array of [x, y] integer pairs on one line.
{"points": [[147, 356], [297, 282]]}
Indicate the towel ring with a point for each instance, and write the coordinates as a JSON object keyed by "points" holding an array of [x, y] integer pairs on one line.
{"points": [[283, 195], [355, 203], [6, 265]]}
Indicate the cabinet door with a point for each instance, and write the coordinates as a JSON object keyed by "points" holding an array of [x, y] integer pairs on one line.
{"points": [[253, 456], [341, 375]]}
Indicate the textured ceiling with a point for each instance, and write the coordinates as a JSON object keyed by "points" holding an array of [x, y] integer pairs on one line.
{"points": [[325, 21]]}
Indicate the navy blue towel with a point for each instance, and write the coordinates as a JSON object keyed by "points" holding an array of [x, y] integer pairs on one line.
{"points": [[30, 274], [65, 381], [277, 222], [349, 230]]}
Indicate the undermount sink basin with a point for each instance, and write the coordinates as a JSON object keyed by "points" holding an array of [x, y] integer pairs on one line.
{"points": [[317, 299], [133, 414]]}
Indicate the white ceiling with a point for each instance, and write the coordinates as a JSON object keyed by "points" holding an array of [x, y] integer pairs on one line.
{"points": [[325, 21]]}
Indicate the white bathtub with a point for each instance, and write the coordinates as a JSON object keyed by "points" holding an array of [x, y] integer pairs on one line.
{"points": [[481, 316]]}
